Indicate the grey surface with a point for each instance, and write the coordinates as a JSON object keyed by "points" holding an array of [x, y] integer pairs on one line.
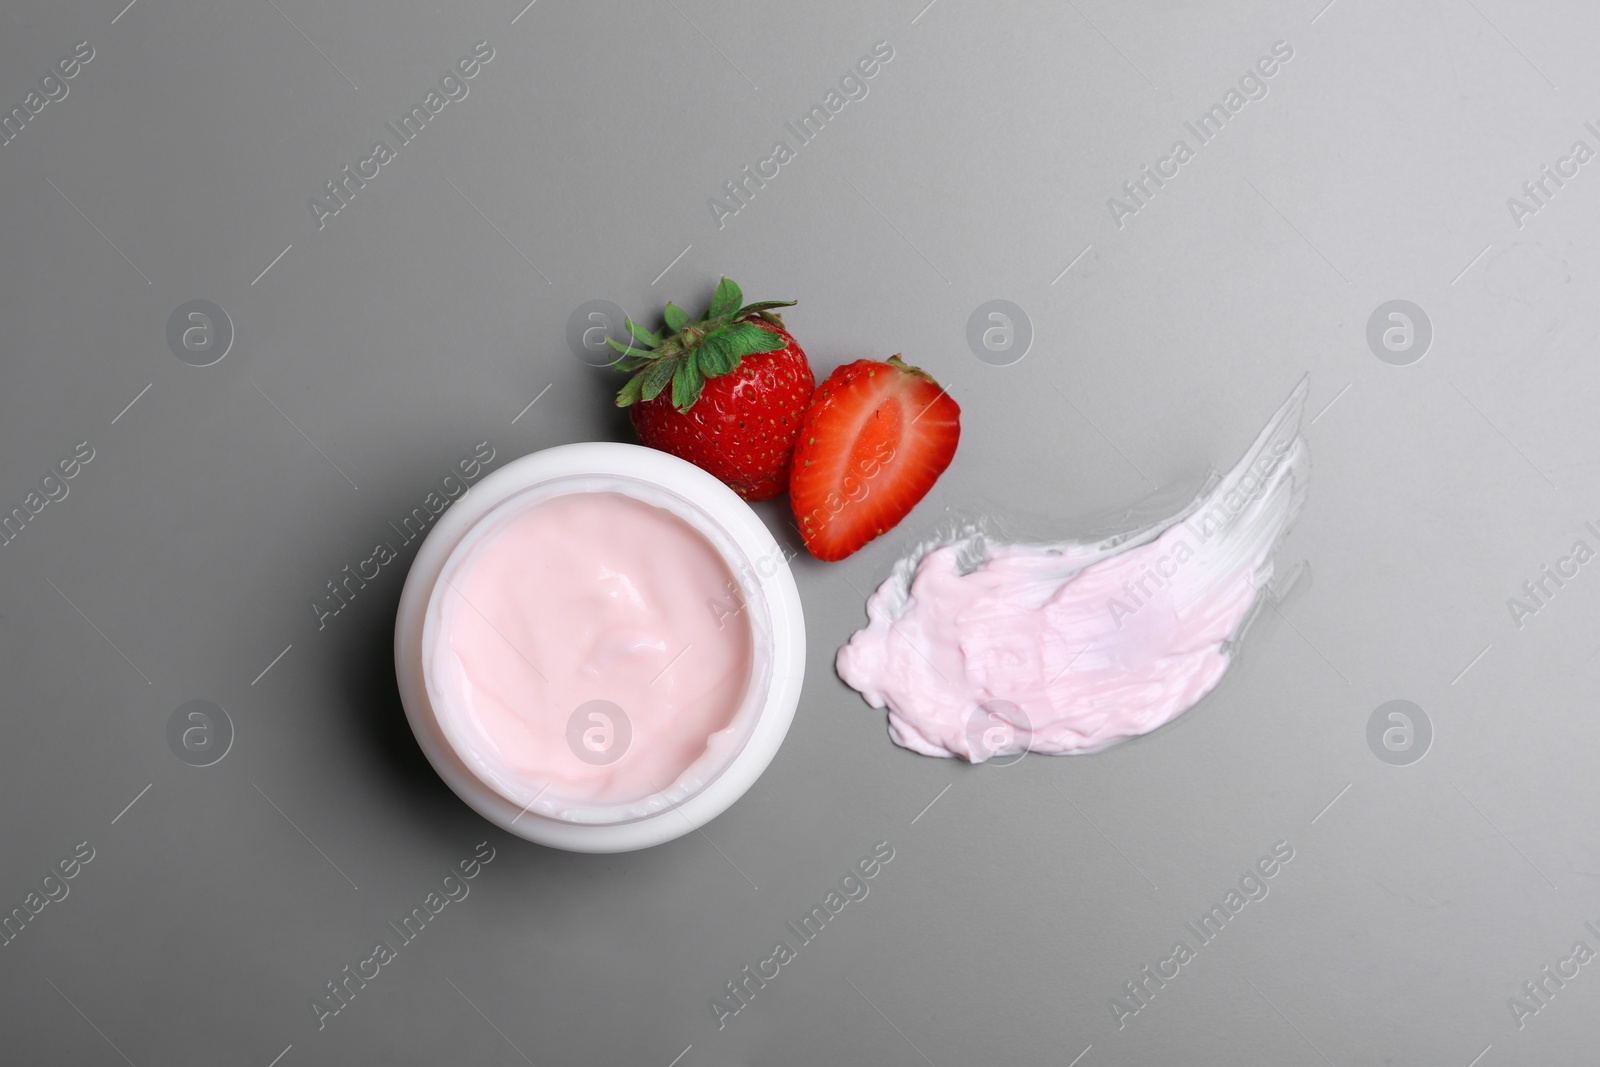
{"points": [[427, 314]]}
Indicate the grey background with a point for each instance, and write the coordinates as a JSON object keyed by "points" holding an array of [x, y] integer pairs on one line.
{"points": [[424, 318]]}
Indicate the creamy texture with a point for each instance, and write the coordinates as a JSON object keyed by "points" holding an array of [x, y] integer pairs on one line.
{"points": [[982, 649], [583, 597]]}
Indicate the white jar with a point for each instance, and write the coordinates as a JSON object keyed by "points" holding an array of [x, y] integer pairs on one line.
{"points": [[738, 754]]}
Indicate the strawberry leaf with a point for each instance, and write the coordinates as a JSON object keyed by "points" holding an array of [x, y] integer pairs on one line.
{"points": [[656, 378], [747, 338], [764, 305], [717, 354], [627, 350], [676, 317], [686, 384], [726, 300], [629, 393], [646, 337]]}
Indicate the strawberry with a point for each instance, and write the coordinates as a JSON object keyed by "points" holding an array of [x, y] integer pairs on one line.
{"points": [[876, 438], [740, 384]]}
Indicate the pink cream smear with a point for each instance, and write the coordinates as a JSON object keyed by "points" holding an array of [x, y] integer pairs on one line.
{"points": [[582, 598], [982, 649]]}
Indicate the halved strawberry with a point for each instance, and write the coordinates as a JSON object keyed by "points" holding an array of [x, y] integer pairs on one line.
{"points": [[739, 384], [876, 438]]}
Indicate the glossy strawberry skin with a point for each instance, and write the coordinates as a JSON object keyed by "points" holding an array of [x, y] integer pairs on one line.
{"points": [[742, 429], [875, 439]]}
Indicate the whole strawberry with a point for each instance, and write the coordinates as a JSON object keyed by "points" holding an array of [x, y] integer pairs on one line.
{"points": [[739, 387]]}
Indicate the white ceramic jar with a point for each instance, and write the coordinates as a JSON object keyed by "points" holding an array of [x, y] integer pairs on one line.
{"points": [[538, 811]]}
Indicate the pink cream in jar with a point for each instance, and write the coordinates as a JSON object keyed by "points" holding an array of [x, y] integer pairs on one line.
{"points": [[593, 643]]}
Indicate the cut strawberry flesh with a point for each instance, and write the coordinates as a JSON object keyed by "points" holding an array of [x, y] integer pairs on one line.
{"points": [[876, 438]]}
